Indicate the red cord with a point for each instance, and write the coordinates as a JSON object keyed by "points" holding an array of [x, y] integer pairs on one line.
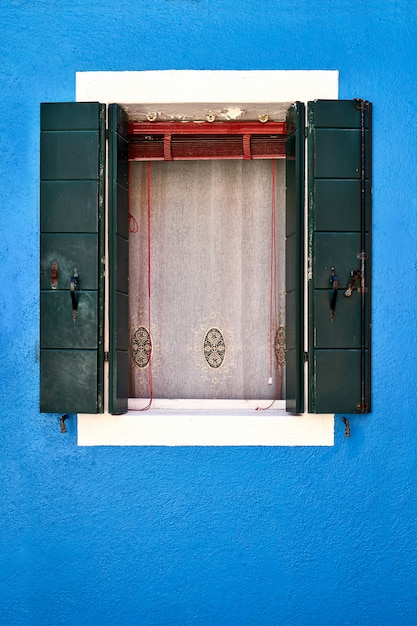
{"points": [[273, 272], [148, 406], [133, 225], [273, 315]]}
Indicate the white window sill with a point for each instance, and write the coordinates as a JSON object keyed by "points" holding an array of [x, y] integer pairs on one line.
{"points": [[205, 423]]}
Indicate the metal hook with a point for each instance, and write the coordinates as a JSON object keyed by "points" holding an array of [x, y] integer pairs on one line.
{"points": [[354, 282], [347, 426], [334, 279], [62, 423], [73, 284]]}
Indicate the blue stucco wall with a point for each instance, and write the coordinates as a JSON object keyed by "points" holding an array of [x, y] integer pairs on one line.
{"points": [[210, 535]]}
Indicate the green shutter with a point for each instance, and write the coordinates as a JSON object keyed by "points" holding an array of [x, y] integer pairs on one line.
{"points": [[339, 217], [71, 213], [295, 258], [118, 259]]}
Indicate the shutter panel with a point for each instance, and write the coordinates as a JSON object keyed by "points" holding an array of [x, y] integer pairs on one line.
{"points": [[339, 235], [118, 259], [71, 207], [295, 258]]}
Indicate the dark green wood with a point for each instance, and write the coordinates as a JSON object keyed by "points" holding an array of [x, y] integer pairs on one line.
{"points": [[346, 333], [345, 115], [69, 155], [65, 116], [118, 260], [337, 381], [70, 250], [346, 144], [63, 212], [333, 200], [58, 327], [67, 380], [339, 249], [339, 349], [72, 164], [295, 258]]}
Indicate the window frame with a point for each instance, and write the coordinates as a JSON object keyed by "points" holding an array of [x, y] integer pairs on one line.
{"points": [[235, 424]]}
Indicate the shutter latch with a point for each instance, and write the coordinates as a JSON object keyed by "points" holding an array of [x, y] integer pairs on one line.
{"points": [[334, 279], [73, 284]]}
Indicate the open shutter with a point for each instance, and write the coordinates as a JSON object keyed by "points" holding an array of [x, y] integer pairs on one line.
{"points": [[118, 259], [339, 256], [72, 249], [295, 258]]}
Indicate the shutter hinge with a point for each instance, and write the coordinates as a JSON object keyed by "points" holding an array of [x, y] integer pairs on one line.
{"points": [[361, 104], [106, 356], [107, 134], [305, 357], [305, 132]]}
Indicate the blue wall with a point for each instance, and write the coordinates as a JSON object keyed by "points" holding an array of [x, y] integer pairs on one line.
{"points": [[210, 535]]}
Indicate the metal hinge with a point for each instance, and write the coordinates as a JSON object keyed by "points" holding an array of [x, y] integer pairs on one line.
{"points": [[361, 104], [106, 356], [107, 134], [305, 357]]}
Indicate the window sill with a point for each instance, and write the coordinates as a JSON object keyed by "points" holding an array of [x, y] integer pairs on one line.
{"points": [[203, 423]]}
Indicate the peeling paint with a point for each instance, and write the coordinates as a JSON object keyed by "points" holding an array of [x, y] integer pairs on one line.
{"points": [[182, 112], [233, 113]]}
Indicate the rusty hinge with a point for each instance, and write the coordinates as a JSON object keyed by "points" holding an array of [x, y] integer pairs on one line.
{"points": [[360, 104]]}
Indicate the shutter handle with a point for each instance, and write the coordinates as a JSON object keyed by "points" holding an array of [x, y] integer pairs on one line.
{"points": [[334, 279], [73, 284]]}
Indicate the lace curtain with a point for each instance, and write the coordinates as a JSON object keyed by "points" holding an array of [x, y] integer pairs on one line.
{"points": [[210, 279]]}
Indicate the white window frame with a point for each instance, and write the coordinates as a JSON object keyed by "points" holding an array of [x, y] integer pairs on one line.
{"points": [[206, 423]]}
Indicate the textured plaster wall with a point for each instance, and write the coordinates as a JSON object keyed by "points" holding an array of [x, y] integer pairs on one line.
{"points": [[294, 536]]}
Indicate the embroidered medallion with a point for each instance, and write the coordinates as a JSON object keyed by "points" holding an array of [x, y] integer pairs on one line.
{"points": [[220, 348], [214, 348], [141, 347], [280, 346]]}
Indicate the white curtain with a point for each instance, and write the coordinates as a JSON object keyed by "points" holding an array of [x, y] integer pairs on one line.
{"points": [[210, 257]]}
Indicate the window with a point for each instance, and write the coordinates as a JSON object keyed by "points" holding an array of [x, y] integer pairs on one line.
{"points": [[209, 215], [73, 355]]}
